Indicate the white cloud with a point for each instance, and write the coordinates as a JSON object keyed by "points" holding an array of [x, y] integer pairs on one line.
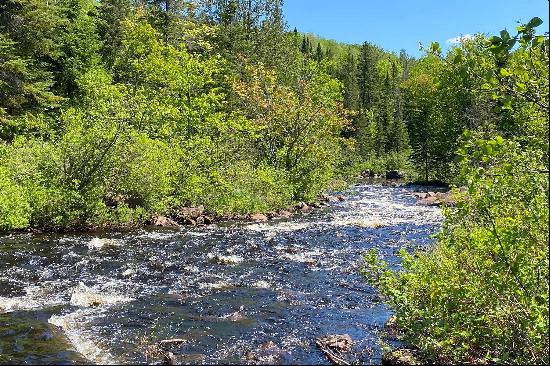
{"points": [[459, 39]]}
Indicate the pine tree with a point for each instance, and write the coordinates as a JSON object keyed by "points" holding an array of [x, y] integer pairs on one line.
{"points": [[319, 53], [30, 45], [111, 13], [80, 45], [348, 76], [369, 80]]}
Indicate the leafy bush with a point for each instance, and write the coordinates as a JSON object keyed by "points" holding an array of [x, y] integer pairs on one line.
{"points": [[15, 209], [482, 291]]}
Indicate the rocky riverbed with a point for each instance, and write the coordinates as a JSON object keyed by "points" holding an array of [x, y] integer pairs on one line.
{"points": [[232, 292]]}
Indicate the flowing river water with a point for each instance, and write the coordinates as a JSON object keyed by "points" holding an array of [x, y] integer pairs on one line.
{"points": [[225, 290]]}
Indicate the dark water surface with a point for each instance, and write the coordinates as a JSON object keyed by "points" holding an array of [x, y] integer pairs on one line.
{"points": [[226, 289]]}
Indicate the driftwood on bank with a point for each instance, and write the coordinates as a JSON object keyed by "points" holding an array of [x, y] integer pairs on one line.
{"points": [[337, 343]]}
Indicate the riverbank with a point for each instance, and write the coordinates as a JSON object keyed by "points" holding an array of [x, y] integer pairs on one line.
{"points": [[434, 194]]}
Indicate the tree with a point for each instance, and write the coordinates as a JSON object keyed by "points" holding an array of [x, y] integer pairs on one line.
{"points": [[348, 76], [368, 77], [111, 14], [319, 53]]}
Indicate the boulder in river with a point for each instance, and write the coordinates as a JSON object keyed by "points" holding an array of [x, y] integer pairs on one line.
{"points": [[258, 217], [395, 174], [200, 220], [284, 213], [189, 214], [162, 221], [436, 199], [367, 174], [324, 198]]}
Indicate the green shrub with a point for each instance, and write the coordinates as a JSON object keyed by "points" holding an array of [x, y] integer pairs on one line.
{"points": [[482, 291], [15, 210]]}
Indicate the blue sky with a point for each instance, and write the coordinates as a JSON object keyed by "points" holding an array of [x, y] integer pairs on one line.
{"points": [[399, 24]]}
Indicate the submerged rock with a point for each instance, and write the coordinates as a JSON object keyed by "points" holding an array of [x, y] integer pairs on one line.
{"points": [[338, 342], [225, 259], [97, 243], [267, 353]]}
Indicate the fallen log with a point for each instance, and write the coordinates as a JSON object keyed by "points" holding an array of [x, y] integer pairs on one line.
{"points": [[330, 355]]}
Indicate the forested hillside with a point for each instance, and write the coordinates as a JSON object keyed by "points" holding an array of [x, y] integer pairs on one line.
{"points": [[118, 110]]}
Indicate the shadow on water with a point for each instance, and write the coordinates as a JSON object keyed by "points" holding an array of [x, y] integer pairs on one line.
{"points": [[225, 291]]}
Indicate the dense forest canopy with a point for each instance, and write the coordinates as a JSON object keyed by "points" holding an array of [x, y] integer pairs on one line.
{"points": [[114, 111]]}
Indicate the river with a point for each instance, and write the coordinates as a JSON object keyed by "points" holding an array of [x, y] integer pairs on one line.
{"points": [[225, 290]]}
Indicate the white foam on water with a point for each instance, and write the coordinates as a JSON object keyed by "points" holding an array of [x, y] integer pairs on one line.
{"points": [[85, 296], [215, 286], [225, 259], [374, 209], [262, 284], [283, 227], [128, 272], [73, 325], [309, 256], [157, 235], [93, 301], [36, 297], [98, 244]]}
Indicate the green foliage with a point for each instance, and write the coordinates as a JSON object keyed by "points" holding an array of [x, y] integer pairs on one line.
{"points": [[116, 111], [481, 293], [14, 206], [299, 124]]}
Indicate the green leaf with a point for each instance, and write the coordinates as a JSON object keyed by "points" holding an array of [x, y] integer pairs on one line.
{"points": [[504, 73], [507, 103], [495, 40], [538, 40], [535, 22], [504, 35], [435, 48]]}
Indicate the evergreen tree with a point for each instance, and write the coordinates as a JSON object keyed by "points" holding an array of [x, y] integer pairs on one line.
{"points": [[319, 53], [348, 76], [80, 45], [111, 13], [369, 80]]}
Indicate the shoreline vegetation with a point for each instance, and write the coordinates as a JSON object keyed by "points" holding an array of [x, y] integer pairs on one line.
{"points": [[121, 112]]}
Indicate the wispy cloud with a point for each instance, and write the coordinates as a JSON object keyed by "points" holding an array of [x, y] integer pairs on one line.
{"points": [[459, 39]]}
